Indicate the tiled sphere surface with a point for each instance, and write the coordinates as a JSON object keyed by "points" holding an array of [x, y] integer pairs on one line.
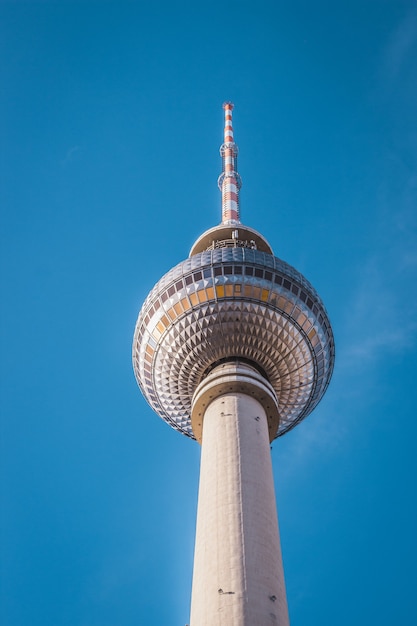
{"points": [[232, 302]]}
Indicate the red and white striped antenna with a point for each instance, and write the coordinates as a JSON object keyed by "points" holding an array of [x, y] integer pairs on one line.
{"points": [[229, 180]]}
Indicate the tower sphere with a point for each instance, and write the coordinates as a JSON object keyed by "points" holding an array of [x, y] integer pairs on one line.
{"points": [[232, 299]]}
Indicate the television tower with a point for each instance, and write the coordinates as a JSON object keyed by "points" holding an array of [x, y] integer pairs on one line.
{"points": [[233, 348]]}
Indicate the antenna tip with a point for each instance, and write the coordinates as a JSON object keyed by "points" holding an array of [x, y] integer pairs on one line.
{"points": [[228, 105]]}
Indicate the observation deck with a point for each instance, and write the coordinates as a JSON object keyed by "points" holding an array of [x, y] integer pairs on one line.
{"points": [[228, 303]]}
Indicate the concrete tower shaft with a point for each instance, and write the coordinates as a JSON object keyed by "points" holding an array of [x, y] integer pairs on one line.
{"points": [[238, 577]]}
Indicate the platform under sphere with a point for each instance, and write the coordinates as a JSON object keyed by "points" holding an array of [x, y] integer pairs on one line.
{"points": [[233, 302]]}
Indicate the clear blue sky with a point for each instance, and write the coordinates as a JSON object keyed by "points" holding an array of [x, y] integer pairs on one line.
{"points": [[110, 122]]}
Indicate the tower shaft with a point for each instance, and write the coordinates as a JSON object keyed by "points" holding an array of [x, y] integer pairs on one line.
{"points": [[238, 575]]}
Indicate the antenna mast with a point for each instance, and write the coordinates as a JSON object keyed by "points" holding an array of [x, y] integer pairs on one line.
{"points": [[229, 180]]}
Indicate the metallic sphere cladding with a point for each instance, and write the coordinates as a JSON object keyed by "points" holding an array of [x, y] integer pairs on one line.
{"points": [[225, 303]]}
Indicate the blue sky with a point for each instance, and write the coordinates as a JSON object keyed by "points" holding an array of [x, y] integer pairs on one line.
{"points": [[110, 126]]}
